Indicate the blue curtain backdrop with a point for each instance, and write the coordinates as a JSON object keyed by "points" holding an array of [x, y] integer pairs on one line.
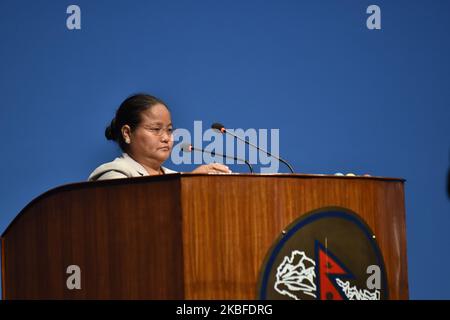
{"points": [[345, 98]]}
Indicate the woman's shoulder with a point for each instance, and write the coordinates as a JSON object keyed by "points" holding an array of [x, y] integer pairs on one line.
{"points": [[118, 168], [121, 167]]}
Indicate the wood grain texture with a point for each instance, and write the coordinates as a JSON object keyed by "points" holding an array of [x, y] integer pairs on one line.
{"points": [[183, 236], [231, 222], [125, 238]]}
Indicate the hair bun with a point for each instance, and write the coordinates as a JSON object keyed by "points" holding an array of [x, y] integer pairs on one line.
{"points": [[110, 131]]}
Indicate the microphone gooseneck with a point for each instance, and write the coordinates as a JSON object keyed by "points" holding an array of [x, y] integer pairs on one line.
{"points": [[186, 147], [220, 127]]}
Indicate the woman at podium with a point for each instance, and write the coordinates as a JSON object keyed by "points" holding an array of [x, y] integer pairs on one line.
{"points": [[142, 127]]}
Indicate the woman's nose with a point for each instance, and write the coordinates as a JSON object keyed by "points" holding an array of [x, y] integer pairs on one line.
{"points": [[165, 136]]}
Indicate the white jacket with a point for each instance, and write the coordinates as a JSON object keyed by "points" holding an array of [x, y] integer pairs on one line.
{"points": [[122, 167]]}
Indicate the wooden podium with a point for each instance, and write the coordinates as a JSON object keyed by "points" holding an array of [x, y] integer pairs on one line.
{"points": [[183, 236]]}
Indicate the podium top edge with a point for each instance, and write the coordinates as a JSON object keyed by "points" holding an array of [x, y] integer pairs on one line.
{"points": [[296, 175]]}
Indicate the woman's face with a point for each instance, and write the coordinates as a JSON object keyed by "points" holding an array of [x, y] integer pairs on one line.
{"points": [[152, 139]]}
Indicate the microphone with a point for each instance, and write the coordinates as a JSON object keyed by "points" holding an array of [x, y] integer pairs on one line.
{"points": [[186, 147], [220, 127]]}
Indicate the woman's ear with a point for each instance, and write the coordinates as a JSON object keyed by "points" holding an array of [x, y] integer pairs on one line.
{"points": [[126, 133]]}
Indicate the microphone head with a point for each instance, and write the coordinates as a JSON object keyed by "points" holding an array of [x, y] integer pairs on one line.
{"points": [[186, 147], [218, 126]]}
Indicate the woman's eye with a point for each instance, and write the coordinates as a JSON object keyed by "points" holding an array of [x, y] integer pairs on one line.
{"points": [[160, 131]]}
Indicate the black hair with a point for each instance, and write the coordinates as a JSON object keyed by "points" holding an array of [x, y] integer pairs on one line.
{"points": [[129, 113]]}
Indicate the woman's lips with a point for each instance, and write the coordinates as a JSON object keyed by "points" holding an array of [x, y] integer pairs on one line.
{"points": [[164, 148]]}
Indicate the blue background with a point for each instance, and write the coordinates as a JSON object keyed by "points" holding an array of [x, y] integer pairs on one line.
{"points": [[345, 98]]}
